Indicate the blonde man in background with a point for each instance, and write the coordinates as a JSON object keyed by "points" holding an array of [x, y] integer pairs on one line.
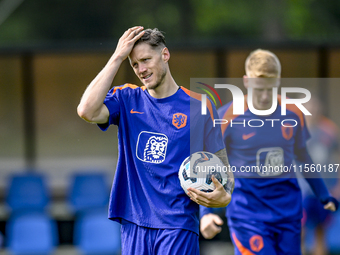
{"points": [[264, 216]]}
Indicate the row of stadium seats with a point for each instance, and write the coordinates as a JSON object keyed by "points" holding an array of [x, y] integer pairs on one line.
{"points": [[31, 230]]}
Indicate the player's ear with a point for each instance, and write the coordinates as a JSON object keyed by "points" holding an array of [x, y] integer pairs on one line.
{"points": [[165, 54], [245, 81]]}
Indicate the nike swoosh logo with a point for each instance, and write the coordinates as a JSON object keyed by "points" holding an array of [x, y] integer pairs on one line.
{"points": [[246, 137], [132, 111]]}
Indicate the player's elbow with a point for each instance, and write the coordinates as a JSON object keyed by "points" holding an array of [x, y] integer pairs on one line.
{"points": [[93, 115], [84, 113]]}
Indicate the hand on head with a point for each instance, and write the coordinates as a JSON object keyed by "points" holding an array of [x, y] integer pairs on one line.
{"points": [[127, 41]]}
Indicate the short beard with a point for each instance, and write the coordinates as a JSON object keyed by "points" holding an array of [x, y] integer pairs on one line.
{"points": [[161, 80]]}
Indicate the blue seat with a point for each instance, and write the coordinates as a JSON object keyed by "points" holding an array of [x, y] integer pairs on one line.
{"points": [[27, 192], [88, 191], [31, 233], [95, 234]]}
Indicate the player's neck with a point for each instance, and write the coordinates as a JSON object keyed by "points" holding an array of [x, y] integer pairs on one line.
{"points": [[167, 88]]}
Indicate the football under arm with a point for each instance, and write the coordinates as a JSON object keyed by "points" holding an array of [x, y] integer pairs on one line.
{"points": [[229, 186]]}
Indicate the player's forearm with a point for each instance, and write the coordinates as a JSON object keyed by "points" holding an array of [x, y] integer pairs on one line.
{"points": [[229, 186], [314, 179], [91, 103]]}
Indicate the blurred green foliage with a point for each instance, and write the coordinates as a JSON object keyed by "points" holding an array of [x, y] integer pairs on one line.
{"points": [[78, 20]]}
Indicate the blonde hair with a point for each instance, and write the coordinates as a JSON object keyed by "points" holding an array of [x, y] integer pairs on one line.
{"points": [[263, 63]]}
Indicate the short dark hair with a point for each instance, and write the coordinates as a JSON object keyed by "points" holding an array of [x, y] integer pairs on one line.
{"points": [[153, 37]]}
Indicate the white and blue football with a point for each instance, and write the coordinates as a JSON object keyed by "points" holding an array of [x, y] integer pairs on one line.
{"points": [[197, 169]]}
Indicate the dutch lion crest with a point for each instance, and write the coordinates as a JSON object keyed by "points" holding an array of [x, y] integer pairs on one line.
{"points": [[179, 120]]}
